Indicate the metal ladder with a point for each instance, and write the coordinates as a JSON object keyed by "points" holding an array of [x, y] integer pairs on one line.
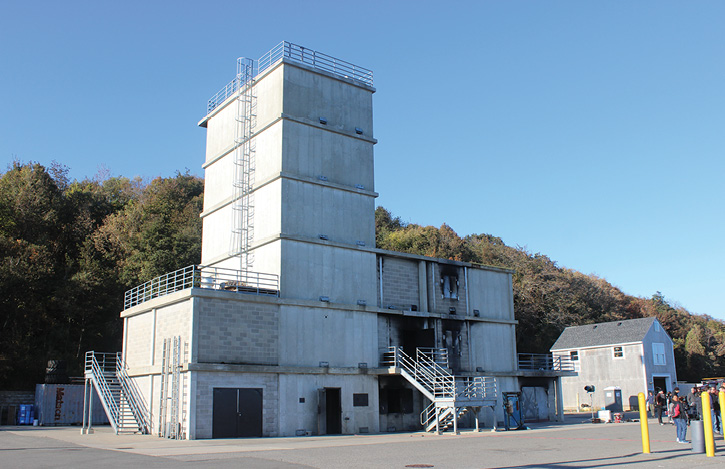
{"points": [[171, 404], [244, 165]]}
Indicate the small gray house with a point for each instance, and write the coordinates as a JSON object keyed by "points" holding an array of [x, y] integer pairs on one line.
{"points": [[634, 355]]}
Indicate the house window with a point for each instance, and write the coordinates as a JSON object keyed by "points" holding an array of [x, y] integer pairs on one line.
{"points": [[658, 353], [574, 355], [657, 326], [618, 352]]}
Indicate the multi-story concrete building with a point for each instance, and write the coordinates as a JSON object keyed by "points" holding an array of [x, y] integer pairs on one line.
{"points": [[296, 323]]}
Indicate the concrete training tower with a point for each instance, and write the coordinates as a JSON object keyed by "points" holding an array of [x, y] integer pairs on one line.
{"points": [[289, 176]]}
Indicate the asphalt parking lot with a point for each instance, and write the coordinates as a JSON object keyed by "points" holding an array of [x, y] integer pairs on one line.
{"points": [[575, 443]]}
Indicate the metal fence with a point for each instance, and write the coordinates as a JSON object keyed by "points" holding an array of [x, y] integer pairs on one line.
{"points": [[297, 53], [544, 362], [196, 276]]}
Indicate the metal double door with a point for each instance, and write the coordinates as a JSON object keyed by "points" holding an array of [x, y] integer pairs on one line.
{"points": [[237, 412]]}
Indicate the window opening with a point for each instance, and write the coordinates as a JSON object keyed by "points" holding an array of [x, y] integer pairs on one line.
{"points": [[618, 352]]}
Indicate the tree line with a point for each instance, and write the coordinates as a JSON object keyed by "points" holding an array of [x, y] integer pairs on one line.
{"points": [[70, 249]]}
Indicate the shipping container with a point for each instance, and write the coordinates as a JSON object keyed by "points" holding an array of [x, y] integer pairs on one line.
{"points": [[62, 404]]}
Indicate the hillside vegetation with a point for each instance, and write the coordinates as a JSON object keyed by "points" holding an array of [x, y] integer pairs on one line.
{"points": [[69, 250]]}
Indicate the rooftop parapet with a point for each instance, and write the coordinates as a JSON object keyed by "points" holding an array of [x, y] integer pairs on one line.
{"points": [[296, 53]]}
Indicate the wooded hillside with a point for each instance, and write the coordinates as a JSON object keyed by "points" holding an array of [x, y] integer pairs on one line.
{"points": [[69, 250]]}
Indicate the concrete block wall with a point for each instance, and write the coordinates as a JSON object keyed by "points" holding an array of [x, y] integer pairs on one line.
{"points": [[237, 332], [204, 383], [139, 335], [443, 305], [400, 283]]}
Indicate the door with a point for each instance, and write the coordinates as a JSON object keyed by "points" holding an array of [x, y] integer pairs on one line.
{"points": [[534, 403], [329, 411], [660, 382], [236, 412]]}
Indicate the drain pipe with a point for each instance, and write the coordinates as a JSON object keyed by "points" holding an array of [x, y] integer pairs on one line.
{"points": [[380, 263]]}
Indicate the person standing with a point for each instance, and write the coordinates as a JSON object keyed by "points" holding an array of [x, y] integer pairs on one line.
{"points": [[650, 403], [679, 416], [692, 399], [660, 403], [715, 409]]}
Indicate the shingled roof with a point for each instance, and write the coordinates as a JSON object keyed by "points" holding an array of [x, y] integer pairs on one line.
{"points": [[606, 333]]}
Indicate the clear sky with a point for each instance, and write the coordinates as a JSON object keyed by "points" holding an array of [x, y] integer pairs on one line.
{"points": [[592, 132]]}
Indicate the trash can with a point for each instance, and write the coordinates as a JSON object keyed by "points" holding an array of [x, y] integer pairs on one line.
{"points": [[697, 436]]}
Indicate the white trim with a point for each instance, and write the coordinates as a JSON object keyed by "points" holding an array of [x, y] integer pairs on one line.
{"points": [[596, 346]]}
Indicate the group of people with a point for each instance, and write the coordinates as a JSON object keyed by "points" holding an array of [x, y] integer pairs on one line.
{"points": [[681, 409]]}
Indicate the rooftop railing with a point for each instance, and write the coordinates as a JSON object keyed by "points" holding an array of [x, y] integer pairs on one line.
{"points": [[544, 362], [196, 276], [297, 53]]}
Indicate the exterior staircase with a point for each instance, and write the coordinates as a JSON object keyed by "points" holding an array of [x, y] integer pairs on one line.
{"points": [[451, 396], [122, 401]]}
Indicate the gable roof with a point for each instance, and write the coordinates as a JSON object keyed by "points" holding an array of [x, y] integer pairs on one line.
{"points": [[606, 333]]}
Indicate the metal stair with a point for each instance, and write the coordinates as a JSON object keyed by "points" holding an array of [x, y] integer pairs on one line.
{"points": [[124, 406], [451, 396]]}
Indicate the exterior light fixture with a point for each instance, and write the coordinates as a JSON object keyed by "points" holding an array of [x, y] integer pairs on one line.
{"points": [[323, 120], [362, 303], [358, 130], [324, 236], [325, 299]]}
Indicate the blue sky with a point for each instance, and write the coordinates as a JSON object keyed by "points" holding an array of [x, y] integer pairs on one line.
{"points": [[591, 132]]}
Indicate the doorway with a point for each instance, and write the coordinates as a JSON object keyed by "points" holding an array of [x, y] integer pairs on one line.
{"points": [[236, 412], [329, 411], [660, 382], [535, 403]]}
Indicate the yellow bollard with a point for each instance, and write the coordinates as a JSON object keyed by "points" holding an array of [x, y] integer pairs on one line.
{"points": [[721, 398], [707, 422], [643, 423]]}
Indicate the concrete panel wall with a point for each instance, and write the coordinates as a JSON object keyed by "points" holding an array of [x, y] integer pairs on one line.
{"points": [[217, 225], [204, 384], [400, 283], [313, 270], [311, 96], [598, 367], [220, 131], [296, 415], [311, 209], [493, 346], [237, 332], [309, 336], [490, 292], [312, 152]]}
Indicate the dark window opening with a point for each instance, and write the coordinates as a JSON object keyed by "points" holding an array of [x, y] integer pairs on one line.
{"points": [[360, 400]]}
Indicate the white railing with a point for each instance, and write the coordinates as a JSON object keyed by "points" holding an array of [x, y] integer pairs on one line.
{"points": [[133, 396], [545, 362], [476, 388], [195, 276], [297, 53], [434, 378]]}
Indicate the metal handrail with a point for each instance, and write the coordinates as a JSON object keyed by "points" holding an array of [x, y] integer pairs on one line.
{"points": [[545, 362], [133, 396], [297, 53], [103, 388], [197, 276], [436, 379]]}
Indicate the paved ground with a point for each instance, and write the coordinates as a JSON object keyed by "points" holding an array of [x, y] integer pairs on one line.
{"points": [[572, 444]]}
